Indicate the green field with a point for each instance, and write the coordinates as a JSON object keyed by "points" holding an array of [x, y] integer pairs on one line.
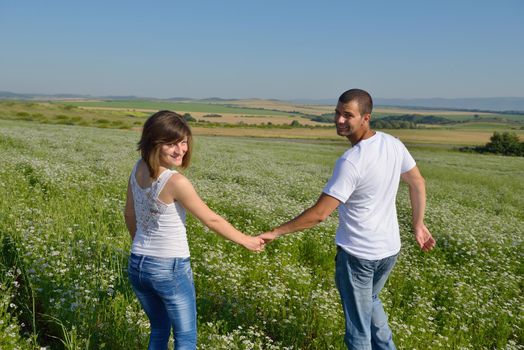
{"points": [[64, 246], [67, 114], [177, 106]]}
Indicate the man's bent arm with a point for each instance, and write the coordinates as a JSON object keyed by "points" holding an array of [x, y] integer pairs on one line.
{"points": [[310, 217]]}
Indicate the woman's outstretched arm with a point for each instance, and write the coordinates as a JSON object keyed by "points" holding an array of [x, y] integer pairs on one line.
{"points": [[184, 192]]}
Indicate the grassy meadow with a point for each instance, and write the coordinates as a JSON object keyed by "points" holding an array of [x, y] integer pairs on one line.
{"points": [[65, 247]]}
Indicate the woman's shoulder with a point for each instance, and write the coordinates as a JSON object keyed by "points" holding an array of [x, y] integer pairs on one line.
{"points": [[177, 179], [179, 186]]}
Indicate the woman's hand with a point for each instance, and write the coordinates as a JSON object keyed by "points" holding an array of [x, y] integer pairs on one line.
{"points": [[268, 237], [255, 244]]}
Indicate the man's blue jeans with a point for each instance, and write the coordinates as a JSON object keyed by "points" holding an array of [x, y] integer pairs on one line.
{"points": [[165, 289], [359, 282]]}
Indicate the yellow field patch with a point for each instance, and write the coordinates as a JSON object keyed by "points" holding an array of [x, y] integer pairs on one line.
{"points": [[226, 118], [231, 118], [119, 109], [283, 106], [300, 133]]}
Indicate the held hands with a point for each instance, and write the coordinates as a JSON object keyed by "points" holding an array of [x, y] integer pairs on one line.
{"points": [[255, 244], [425, 241], [268, 236]]}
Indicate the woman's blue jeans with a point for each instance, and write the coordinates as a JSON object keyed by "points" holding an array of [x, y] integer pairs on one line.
{"points": [[359, 282], [165, 289]]}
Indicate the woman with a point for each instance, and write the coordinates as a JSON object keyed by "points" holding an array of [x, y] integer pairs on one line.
{"points": [[157, 197]]}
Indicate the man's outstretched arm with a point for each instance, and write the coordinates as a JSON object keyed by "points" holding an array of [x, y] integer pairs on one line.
{"points": [[417, 195], [310, 217]]}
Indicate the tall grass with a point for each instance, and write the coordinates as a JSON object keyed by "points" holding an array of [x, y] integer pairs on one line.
{"points": [[65, 247]]}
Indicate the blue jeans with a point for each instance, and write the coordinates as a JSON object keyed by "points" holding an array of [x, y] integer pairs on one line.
{"points": [[165, 289], [359, 282]]}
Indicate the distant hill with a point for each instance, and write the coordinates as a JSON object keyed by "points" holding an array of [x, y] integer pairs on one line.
{"points": [[497, 104], [17, 96], [486, 103]]}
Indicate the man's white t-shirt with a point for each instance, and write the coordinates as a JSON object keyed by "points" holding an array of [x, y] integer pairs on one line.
{"points": [[366, 180]]}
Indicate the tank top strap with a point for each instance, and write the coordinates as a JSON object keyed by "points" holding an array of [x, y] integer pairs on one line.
{"points": [[162, 180], [133, 175]]}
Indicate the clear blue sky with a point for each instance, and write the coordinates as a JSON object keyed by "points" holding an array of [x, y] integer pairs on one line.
{"points": [[267, 49]]}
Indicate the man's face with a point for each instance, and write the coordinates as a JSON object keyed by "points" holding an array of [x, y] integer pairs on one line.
{"points": [[348, 119]]}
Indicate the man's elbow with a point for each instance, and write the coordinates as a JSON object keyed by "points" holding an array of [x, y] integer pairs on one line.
{"points": [[421, 181], [321, 217], [418, 186], [320, 213]]}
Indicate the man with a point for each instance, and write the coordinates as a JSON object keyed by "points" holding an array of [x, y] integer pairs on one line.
{"points": [[363, 186]]}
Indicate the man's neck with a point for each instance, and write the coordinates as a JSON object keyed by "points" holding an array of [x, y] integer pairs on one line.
{"points": [[354, 139]]}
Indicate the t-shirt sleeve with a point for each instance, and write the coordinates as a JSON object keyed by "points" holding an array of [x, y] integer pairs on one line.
{"points": [[343, 181], [408, 162]]}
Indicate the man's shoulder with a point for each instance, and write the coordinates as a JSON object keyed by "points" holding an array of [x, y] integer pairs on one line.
{"points": [[354, 156], [388, 137], [351, 154]]}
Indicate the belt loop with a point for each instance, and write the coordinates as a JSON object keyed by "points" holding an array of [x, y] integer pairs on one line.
{"points": [[141, 261]]}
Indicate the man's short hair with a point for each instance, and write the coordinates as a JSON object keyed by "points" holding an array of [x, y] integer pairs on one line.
{"points": [[363, 98]]}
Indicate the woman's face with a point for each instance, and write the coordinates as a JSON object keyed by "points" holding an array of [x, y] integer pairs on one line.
{"points": [[172, 154]]}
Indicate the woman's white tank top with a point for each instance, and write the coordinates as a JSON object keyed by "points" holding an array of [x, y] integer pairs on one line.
{"points": [[160, 227]]}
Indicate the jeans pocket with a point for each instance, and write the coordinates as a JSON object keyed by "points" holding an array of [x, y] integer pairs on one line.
{"points": [[189, 273], [361, 279], [182, 271]]}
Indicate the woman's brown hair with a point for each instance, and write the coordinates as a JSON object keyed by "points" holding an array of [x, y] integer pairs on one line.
{"points": [[162, 128]]}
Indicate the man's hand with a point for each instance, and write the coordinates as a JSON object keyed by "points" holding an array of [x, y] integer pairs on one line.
{"points": [[255, 244], [268, 236], [425, 240]]}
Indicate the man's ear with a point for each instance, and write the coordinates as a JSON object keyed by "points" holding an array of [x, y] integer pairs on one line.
{"points": [[366, 117]]}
